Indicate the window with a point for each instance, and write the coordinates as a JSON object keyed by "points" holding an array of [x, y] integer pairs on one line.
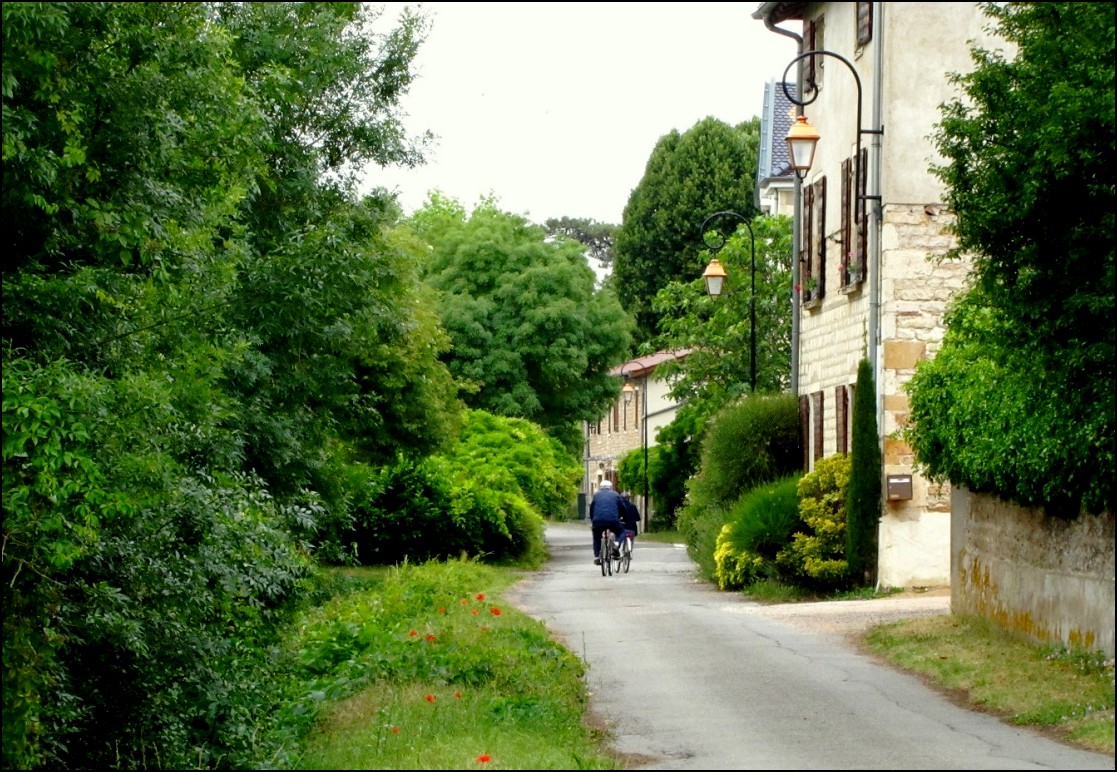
{"points": [[812, 254], [864, 23], [855, 221]]}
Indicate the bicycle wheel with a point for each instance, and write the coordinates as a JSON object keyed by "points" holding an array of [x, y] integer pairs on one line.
{"points": [[626, 554], [617, 556], [606, 564]]}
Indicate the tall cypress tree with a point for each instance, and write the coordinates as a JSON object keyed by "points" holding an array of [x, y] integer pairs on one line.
{"points": [[863, 496]]}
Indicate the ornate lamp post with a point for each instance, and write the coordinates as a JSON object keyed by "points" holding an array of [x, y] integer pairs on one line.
{"points": [[715, 277]]}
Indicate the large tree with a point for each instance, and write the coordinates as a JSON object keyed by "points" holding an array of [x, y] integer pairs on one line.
{"points": [[1019, 400], [201, 326], [596, 237], [709, 168], [532, 336]]}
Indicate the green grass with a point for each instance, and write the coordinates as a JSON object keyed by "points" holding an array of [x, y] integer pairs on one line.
{"points": [[1067, 694], [426, 667]]}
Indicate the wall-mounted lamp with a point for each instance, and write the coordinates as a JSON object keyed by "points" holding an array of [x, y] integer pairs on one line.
{"points": [[803, 137], [628, 391], [715, 275]]}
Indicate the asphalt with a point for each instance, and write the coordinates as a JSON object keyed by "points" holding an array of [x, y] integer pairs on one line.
{"points": [[687, 677]]}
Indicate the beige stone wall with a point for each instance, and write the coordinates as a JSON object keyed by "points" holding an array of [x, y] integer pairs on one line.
{"points": [[916, 290], [1049, 579]]}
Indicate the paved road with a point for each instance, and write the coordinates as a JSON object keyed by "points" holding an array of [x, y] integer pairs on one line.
{"points": [[693, 678]]}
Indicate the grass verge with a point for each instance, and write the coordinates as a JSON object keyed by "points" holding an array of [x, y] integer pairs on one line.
{"points": [[424, 667], [1066, 694]]}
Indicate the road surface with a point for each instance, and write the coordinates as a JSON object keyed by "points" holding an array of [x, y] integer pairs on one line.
{"points": [[688, 677]]}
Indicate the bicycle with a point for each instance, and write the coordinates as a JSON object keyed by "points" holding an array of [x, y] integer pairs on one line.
{"points": [[623, 554], [608, 543]]}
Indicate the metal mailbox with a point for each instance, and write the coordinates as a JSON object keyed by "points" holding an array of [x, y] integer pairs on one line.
{"points": [[899, 487]]}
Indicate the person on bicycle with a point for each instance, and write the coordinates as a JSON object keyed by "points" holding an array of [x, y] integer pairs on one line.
{"points": [[605, 514], [630, 516]]}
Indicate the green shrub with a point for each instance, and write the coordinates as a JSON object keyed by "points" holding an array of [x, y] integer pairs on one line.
{"points": [[760, 525], [748, 443], [815, 557]]}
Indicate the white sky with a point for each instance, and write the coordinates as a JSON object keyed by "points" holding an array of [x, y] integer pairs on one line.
{"points": [[554, 108]]}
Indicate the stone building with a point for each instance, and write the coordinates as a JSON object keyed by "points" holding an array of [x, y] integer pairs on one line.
{"points": [[869, 224], [643, 407]]}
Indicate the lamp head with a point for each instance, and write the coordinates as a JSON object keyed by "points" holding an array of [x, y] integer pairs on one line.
{"points": [[715, 277], [801, 142]]}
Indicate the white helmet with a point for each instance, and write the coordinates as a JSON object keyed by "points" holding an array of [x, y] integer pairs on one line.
{"points": [[606, 485]]}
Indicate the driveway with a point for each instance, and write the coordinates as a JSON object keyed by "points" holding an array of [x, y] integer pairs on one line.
{"points": [[688, 677]]}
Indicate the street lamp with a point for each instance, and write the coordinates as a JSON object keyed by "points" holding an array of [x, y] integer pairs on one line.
{"points": [[803, 137], [715, 277], [628, 390]]}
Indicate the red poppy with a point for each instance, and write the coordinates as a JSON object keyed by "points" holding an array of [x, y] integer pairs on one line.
{"points": [[395, 730], [458, 695], [430, 698], [474, 612], [430, 637], [484, 758], [496, 611], [442, 611], [465, 601], [480, 596], [413, 633]]}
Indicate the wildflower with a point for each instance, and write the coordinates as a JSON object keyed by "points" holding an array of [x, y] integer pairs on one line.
{"points": [[430, 698], [430, 637], [441, 611], [474, 612], [495, 611], [464, 601], [480, 596], [395, 730], [413, 633], [484, 628], [458, 695], [484, 758]]}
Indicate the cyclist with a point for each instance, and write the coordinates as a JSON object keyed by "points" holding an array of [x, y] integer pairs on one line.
{"points": [[605, 511], [630, 516]]}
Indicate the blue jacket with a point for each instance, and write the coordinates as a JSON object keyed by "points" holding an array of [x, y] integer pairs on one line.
{"points": [[606, 506]]}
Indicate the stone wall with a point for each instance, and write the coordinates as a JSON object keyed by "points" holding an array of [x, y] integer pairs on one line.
{"points": [[1049, 579], [916, 291]]}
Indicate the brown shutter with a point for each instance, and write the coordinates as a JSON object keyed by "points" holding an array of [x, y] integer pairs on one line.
{"points": [[847, 225], [818, 398], [841, 413], [861, 252], [819, 268], [864, 23], [805, 430]]}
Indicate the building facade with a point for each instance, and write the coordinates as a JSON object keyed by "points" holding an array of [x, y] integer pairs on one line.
{"points": [[870, 227]]}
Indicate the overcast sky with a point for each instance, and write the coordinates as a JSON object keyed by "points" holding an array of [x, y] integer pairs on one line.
{"points": [[554, 108]]}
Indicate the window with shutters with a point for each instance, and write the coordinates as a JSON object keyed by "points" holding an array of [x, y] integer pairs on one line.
{"points": [[812, 252], [855, 222]]}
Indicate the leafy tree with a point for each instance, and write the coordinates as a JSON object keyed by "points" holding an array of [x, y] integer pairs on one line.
{"points": [[532, 338], [688, 177], [717, 331], [863, 496], [596, 237], [193, 295], [1019, 400]]}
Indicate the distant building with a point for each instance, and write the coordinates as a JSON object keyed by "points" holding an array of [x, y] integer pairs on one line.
{"points": [[630, 423]]}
